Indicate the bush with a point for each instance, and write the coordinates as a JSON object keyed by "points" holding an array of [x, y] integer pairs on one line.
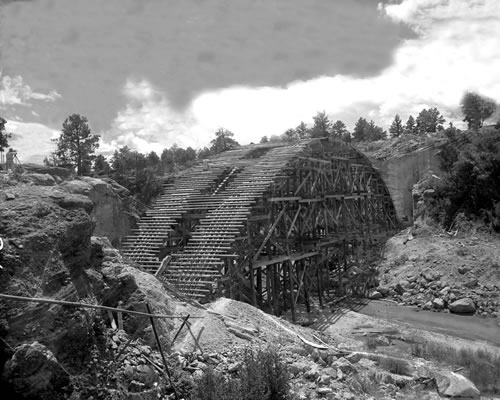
{"points": [[371, 342], [471, 184], [396, 366], [483, 367], [263, 376]]}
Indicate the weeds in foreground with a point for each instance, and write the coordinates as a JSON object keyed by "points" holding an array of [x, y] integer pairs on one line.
{"points": [[396, 366], [483, 367], [371, 342], [262, 376]]}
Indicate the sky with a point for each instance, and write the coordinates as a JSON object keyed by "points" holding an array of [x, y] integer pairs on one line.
{"points": [[152, 73]]}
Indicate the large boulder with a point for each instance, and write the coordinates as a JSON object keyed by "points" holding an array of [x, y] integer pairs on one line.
{"points": [[456, 386], [375, 295], [40, 179], [34, 372], [463, 306], [438, 303]]}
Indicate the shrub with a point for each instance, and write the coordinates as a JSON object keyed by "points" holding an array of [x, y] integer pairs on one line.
{"points": [[471, 184], [483, 367], [263, 376], [371, 342], [396, 366]]}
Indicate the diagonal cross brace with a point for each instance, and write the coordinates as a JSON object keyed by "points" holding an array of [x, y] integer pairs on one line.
{"points": [[269, 233]]}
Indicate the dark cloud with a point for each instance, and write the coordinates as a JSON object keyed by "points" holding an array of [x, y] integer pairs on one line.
{"points": [[86, 50]]}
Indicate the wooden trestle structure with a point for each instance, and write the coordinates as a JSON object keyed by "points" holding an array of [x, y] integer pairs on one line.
{"points": [[268, 224]]}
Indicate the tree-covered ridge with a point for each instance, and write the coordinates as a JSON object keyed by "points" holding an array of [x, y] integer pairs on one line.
{"points": [[141, 173], [470, 185]]}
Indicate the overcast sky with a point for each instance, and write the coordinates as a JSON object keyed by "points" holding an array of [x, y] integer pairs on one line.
{"points": [[151, 73]]}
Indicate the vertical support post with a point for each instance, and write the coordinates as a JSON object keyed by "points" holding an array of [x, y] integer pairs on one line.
{"points": [[285, 283], [259, 286], [292, 300], [252, 282], [306, 286], [318, 281], [276, 291], [229, 282], [269, 289]]}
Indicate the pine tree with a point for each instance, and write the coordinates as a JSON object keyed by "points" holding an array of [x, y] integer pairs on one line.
{"points": [[411, 125], [223, 141], [76, 144], [322, 125], [339, 129], [396, 128], [302, 130], [4, 136]]}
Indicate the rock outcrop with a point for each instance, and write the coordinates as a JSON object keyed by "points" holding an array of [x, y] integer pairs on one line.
{"points": [[35, 373], [48, 252], [112, 211]]}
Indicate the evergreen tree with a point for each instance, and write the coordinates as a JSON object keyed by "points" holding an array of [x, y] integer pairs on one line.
{"points": [[302, 130], [396, 128], [375, 132], [322, 125], [429, 121], [290, 135], [4, 136], [76, 144], [411, 125], [360, 130], [339, 129], [223, 141], [167, 161], [101, 165], [153, 161]]}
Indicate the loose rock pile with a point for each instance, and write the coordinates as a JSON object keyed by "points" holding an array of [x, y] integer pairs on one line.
{"points": [[428, 292]]}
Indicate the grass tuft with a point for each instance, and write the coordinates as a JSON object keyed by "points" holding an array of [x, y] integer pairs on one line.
{"points": [[482, 367], [263, 376]]}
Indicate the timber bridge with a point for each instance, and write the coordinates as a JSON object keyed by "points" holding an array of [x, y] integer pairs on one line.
{"points": [[268, 224]]}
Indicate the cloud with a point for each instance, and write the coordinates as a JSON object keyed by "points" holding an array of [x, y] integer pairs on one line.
{"points": [[457, 49], [148, 122], [421, 14], [31, 140], [14, 92], [87, 49]]}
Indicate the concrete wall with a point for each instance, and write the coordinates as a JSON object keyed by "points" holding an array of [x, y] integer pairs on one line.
{"points": [[401, 173]]}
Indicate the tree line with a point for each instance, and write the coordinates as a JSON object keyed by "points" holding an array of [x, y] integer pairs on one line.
{"points": [[475, 108], [140, 173], [76, 145]]}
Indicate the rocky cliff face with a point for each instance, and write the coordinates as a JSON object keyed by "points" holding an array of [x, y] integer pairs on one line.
{"points": [[402, 172], [113, 212], [48, 253]]}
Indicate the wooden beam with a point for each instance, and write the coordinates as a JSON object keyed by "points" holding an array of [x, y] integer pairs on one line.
{"points": [[269, 233]]}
